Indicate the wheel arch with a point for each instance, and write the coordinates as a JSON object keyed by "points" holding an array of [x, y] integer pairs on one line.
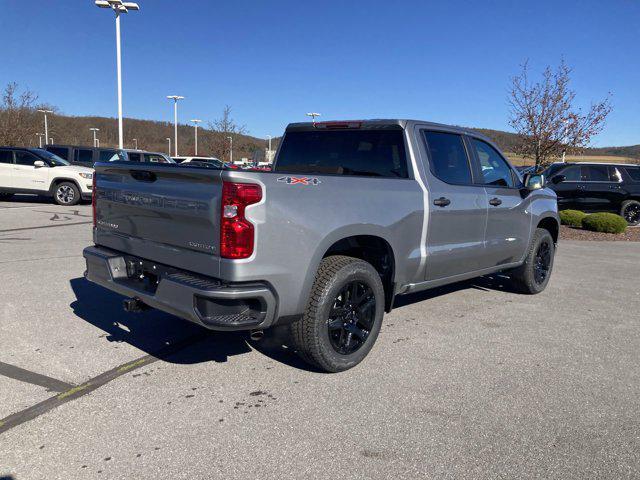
{"points": [[58, 180], [552, 225], [368, 243]]}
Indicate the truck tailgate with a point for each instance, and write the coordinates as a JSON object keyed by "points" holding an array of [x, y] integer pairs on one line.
{"points": [[160, 212]]}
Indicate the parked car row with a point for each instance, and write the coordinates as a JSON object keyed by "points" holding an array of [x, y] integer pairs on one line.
{"points": [[88, 156], [597, 187], [37, 171]]}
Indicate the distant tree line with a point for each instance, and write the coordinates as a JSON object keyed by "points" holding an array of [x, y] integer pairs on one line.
{"points": [[20, 122]]}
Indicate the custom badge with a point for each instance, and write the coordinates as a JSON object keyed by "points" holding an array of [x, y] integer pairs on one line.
{"points": [[300, 180]]}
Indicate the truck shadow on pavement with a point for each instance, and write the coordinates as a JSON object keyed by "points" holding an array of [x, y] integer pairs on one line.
{"points": [[499, 283], [152, 331]]}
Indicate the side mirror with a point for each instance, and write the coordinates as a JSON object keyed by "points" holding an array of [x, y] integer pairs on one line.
{"points": [[558, 179], [39, 164], [533, 181]]}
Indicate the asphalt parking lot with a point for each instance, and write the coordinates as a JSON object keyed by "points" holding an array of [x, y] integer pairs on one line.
{"points": [[469, 381]]}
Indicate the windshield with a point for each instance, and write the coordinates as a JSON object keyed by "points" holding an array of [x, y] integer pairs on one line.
{"points": [[52, 159]]}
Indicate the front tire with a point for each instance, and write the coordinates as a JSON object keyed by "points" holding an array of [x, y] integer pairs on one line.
{"points": [[630, 211], [533, 275], [343, 315], [66, 194]]}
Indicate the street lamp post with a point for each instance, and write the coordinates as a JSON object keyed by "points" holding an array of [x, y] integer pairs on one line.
{"points": [[169, 140], [231, 150], [313, 116], [269, 144], [40, 135], [196, 122], [118, 6], [135, 142], [95, 139], [46, 127], [175, 99]]}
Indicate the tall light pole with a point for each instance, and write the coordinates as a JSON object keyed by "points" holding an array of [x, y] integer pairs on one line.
{"points": [[196, 122], [231, 151], [95, 139], [269, 142], [118, 6], [46, 127], [564, 140], [169, 139], [175, 99], [313, 116], [135, 142], [40, 135]]}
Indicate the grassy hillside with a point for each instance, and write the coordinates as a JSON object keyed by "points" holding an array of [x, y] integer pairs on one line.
{"points": [[152, 135]]}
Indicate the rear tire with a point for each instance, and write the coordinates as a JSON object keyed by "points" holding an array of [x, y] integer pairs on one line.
{"points": [[533, 275], [343, 315], [630, 211], [66, 194]]}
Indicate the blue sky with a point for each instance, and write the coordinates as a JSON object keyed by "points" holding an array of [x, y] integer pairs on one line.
{"points": [[447, 61]]}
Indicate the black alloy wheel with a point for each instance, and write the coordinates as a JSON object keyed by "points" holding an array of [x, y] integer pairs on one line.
{"points": [[542, 262], [631, 213], [352, 317]]}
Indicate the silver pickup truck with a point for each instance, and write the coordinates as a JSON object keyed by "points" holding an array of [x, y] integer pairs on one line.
{"points": [[352, 215]]}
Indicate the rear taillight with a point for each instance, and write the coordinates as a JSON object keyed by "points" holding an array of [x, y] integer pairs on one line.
{"points": [[93, 198], [236, 232]]}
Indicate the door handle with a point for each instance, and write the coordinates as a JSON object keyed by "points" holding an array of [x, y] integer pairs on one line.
{"points": [[495, 202], [580, 187], [441, 202]]}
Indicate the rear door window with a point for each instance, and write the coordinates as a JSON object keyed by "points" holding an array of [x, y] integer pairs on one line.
{"points": [[595, 173], [371, 153], [448, 157], [135, 157], [84, 156], [634, 173]]}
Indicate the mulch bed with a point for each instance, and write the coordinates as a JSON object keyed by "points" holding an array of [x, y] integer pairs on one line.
{"points": [[570, 233]]}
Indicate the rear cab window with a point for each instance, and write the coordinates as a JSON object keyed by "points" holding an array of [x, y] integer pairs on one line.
{"points": [[359, 152]]}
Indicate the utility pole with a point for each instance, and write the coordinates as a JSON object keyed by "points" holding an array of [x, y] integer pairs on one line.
{"points": [[175, 99], [231, 151], [118, 6], [196, 121], [46, 127]]}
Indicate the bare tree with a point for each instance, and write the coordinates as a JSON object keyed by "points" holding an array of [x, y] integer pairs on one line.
{"points": [[222, 128], [17, 116], [544, 115]]}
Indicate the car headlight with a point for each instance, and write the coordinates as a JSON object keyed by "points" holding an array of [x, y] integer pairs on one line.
{"points": [[88, 176]]}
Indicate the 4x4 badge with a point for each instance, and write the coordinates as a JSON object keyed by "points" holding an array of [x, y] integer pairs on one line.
{"points": [[300, 180]]}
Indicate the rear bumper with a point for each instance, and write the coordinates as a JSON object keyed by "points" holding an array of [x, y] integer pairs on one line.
{"points": [[205, 301]]}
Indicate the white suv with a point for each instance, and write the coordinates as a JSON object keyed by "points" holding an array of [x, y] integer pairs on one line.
{"points": [[36, 171]]}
